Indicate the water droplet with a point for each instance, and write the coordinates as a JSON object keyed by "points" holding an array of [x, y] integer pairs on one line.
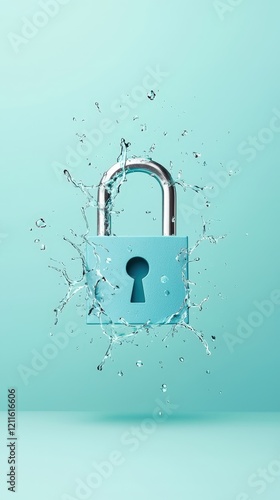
{"points": [[41, 223], [173, 218], [166, 293], [208, 372], [120, 374], [213, 338], [185, 132], [139, 363], [91, 340], [36, 241], [151, 95], [164, 387], [164, 279], [182, 359], [98, 106], [100, 367], [108, 260], [129, 248], [77, 347], [160, 413], [148, 212], [51, 334], [196, 155], [43, 247]]}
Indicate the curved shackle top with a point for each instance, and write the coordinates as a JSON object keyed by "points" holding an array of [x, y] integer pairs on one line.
{"points": [[152, 168]]}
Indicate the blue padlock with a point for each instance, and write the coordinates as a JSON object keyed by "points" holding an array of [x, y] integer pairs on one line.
{"points": [[141, 279]]}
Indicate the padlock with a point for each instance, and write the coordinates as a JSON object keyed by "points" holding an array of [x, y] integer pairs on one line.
{"points": [[137, 279]]}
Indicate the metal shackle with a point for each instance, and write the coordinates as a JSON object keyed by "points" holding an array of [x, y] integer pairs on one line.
{"points": [[152, 168]]}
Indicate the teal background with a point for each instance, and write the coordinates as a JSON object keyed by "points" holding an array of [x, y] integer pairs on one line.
{"points": [[221, 83], [213, 456]]}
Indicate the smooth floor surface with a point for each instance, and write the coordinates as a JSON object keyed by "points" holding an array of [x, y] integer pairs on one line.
{"points": [[67, 456]]}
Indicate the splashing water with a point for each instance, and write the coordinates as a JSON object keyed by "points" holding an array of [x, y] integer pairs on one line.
{"points": [[41, 223], [151, 95], [98, 106], [117, 334]]}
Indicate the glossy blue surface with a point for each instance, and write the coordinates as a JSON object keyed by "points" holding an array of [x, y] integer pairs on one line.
{"points": [[163, 285]]}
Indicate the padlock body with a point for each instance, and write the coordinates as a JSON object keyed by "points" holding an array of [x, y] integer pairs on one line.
{"points": [[110, 286]]}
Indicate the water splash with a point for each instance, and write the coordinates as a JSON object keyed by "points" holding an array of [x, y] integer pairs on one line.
{"points": [[151, 95], [98, 106], [183, 184], [41, 223], [206, 237], [117, 334], [74, 287]]}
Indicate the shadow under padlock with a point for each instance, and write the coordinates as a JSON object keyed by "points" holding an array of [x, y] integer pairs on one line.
{"points": [[137, 279]]}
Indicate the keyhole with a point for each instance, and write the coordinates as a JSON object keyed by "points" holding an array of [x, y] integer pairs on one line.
{"points": [[137, 268]]}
